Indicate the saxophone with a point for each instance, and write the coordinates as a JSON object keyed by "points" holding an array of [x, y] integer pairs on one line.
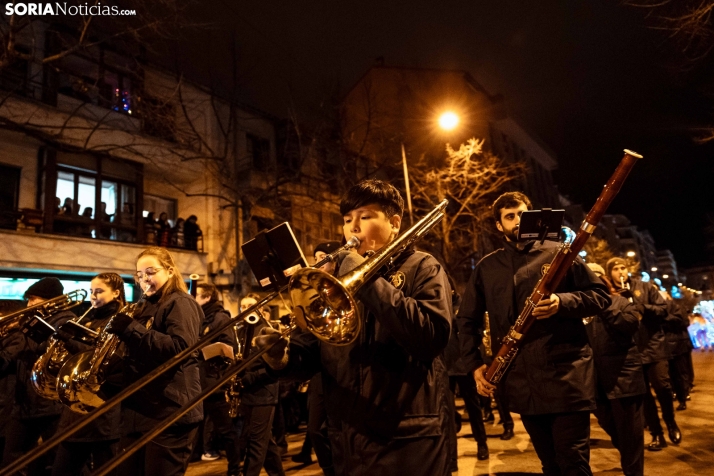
{"points": [[233, 392], [487, 335]]}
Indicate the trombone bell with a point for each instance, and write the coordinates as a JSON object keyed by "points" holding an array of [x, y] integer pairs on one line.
{"points": [[326, 305]]}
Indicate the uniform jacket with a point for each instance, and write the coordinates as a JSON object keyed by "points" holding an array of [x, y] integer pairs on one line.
{"points": [[676, 330], [650, 338], [107, 426], [215, 316], [259, 386], [176, 325], [385, 394], [617, 360], [553, 371], [21, 353]]}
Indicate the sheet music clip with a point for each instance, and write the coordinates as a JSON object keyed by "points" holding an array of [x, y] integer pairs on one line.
{"points": [[274, 255], [541, 225]]}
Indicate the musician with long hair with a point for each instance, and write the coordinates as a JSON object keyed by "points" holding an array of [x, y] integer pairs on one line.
{"points": [[32, 416], [167, 322], [551, 380], [385, 392], [96, 443]]}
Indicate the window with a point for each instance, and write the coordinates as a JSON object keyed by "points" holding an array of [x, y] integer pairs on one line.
{"points": [[94, 197], [259, 151]]}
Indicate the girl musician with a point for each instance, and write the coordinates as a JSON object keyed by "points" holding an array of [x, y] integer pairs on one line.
{"points": [[166, 323], [98, 441]]}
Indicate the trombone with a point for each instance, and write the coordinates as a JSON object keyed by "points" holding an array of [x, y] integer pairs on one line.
{"points": [[16, 320], [324, 303]]}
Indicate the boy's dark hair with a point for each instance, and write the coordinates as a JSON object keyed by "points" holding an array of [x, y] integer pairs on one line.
{"points": [[373, 191], [208, 289], [509, 200]]}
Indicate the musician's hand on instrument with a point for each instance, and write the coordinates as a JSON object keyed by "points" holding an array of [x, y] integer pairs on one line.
{"points": [[547, 307], [277, 356], [119, 323], [483, 386]]}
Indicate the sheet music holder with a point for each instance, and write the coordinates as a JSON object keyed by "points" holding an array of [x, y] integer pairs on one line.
{"points": [[274, 255], [541, 225], [38, 329]]}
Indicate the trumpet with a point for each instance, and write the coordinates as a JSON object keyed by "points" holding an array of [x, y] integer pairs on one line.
{"points": [[18, 319]]}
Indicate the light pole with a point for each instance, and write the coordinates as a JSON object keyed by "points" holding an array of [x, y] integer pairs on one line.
{"points": [[447, 121]]}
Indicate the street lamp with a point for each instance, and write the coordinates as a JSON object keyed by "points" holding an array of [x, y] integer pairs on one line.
{"points": [[448, 121], [665, 276], [654, 269], [630, 254]]}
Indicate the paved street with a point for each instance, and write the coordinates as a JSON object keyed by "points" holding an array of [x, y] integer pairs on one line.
{"points": [[516, 457]]}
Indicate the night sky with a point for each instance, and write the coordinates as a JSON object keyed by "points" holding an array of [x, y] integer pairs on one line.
{"points": [[588, 77]]}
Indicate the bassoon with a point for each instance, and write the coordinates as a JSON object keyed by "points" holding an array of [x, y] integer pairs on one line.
{"points": [[558, 268]]}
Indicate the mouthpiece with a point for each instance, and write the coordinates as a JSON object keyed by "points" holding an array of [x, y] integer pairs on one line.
{"points": [[352, 243]]}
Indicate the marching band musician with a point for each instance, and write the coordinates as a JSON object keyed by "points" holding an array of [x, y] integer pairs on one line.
{"points": [[620, 381], [32, 416], [215, 406], [98, 441], [259, 399], [651, 341], [551, 381], [175, 322], [385, 392]]}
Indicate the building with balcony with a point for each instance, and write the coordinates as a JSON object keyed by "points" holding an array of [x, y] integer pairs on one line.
{"points": [[94, 145]]}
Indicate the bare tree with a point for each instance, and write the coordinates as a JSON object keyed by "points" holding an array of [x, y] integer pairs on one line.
{"points": [[469, 178], [597, 251]]}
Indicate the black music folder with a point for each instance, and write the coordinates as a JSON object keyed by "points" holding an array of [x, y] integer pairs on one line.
{"points": [[541, 225], [274, 255]]}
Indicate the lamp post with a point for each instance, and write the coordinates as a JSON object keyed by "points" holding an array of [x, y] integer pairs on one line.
{"points": [[448, 122]]}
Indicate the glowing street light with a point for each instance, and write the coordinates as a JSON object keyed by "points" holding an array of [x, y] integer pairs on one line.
{"points": [[448, 121], [665, 276], [654, 268], [630, 254]]}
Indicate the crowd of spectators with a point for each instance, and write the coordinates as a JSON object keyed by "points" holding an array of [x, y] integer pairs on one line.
{"points": [[121, 226]]}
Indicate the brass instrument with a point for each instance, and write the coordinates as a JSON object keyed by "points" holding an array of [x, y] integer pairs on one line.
{"points": [[81, 377], [18, 319], [46, 369], [487, 335], [325, 304], [233, 392]]}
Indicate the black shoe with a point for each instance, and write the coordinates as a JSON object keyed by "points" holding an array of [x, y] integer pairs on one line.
{"points": [[675, 436], [482, 452], [682, 406], [302, 458], [658, 442], [507, 434], [488, 415]]}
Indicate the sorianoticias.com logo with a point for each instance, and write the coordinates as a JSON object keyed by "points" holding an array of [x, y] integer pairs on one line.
{"points": [[62, 8]]}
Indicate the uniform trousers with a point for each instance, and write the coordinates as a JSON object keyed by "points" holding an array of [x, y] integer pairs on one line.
{"points": [[623, 420], [165, 455], [679, 374], [317, 426], [72, 456], [657, 375], [216, 408], [256, 441], [561, 441], [21, 435], [467, 388]]}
